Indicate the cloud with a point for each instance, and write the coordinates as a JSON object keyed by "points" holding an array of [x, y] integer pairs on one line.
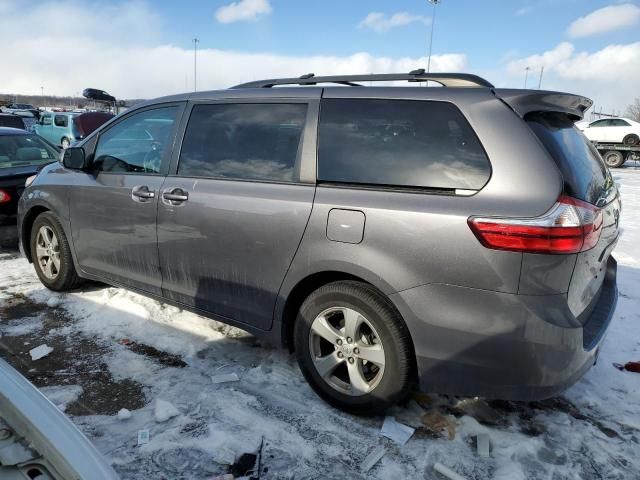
{"points": [[381, 23], [610, 75], [607, 19], [244, 10], [127, 58], [524, 11]]}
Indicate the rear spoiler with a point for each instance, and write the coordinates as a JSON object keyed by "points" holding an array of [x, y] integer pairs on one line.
{"points": [[528, 101]]}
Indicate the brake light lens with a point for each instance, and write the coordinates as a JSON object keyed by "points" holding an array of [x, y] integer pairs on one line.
{"points": [[571, 226], [4, 196]]}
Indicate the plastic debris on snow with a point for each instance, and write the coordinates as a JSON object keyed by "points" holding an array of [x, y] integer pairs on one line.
{"points": [[123, 414], [374, 457], [447, 472], [40, 352], [225, 476], [225, 377], [143, 437], [483, 444], [224, 456], [165, 411], [396, 431]]}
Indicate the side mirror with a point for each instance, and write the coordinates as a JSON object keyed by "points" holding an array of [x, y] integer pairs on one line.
{"points": [[74, 158]]}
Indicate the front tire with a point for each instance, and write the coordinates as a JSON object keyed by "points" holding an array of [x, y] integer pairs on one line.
{"points": [[354, 348], [613, 158], [51, 254]]}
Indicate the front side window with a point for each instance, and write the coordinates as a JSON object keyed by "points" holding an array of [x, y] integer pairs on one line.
{"points": [[243, 141], [406, 143], [46, 120], [61, 121], [138, 143], [601, 123]]}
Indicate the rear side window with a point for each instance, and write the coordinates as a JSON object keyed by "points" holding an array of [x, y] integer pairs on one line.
{"points": [[405, 143], [61, 121], [243, 141], [584, 173]]}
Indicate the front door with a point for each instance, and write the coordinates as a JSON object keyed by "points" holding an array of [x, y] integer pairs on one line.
{"points": [[232, 216], [114, 206]]}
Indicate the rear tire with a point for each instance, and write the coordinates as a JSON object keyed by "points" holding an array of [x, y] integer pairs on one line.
{"points": [[363, 372], [613, 158], [631, 139], [51, 254]]}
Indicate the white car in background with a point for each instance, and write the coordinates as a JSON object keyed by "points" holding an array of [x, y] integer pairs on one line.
{"points": [[612, 130]]}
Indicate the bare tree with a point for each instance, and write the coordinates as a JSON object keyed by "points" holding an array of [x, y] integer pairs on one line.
{"points": [[633, 110]]}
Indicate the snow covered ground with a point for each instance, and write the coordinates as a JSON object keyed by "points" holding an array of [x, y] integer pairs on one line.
{"points": [[113, 349]]}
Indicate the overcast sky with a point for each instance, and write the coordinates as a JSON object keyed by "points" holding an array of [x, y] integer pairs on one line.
{"points": [[143, 48]]}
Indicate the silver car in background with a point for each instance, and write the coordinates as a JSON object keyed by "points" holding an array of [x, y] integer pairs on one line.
{"points": [[454, 239]]}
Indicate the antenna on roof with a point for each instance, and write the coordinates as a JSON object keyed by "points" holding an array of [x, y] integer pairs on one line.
{"points": [[306, 76], [419, 71]]}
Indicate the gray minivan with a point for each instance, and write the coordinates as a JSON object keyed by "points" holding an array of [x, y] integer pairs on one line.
{"points": [[456, 239]]}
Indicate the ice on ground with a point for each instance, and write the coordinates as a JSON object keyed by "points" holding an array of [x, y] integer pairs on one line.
{"points": [[165, 411], [24, 326], [123, 414], [54, 301], [40, 352], [62, 395]]}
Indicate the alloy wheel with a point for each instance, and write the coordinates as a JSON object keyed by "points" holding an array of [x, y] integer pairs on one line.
{"points": [[346, 351], [48, 252]]}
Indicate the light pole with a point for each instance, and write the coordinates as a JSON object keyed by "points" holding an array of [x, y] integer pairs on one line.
{"points": [[540, 80], [526, 75], [195, 64], [433, 21], [42, 92]]}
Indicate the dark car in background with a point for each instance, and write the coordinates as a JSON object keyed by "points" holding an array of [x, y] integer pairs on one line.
{"points": [[457, 238], [11, 120], [22, 154]]}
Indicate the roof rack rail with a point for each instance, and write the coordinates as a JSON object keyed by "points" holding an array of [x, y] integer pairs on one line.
{"points": [[445, 79]]}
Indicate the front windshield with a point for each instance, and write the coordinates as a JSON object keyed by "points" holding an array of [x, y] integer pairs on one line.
{"points": [[20, 150]]}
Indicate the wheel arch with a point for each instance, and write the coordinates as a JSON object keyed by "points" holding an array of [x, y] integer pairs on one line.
{"points": [[305, 286], [26, 227]]}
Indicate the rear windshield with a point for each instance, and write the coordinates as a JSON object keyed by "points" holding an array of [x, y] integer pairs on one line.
{"points": [[399, 143], [585, 175], [12, 121], [21, 150]]}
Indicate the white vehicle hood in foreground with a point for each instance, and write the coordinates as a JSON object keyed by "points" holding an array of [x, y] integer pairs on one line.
{"points": [[36, 437]]}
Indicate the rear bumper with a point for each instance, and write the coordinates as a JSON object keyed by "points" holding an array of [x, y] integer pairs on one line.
{"points": [[497, 345]]}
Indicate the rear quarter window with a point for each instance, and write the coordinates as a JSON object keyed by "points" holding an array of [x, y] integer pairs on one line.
{"points": [[585, 175], [399, 143]]}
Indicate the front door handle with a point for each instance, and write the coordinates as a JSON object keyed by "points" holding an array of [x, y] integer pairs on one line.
{"points": [[142, 193], [175, 195]]}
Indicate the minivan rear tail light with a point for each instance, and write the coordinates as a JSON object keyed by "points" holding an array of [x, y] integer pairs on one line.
{"points": [[4, 196], [571, 226]]}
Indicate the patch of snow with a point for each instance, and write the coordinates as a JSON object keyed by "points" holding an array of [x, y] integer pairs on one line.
{"points": [[165, 411], [21, 327], [40, 352], [53, 301], [62, 395], [123, 414]]}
